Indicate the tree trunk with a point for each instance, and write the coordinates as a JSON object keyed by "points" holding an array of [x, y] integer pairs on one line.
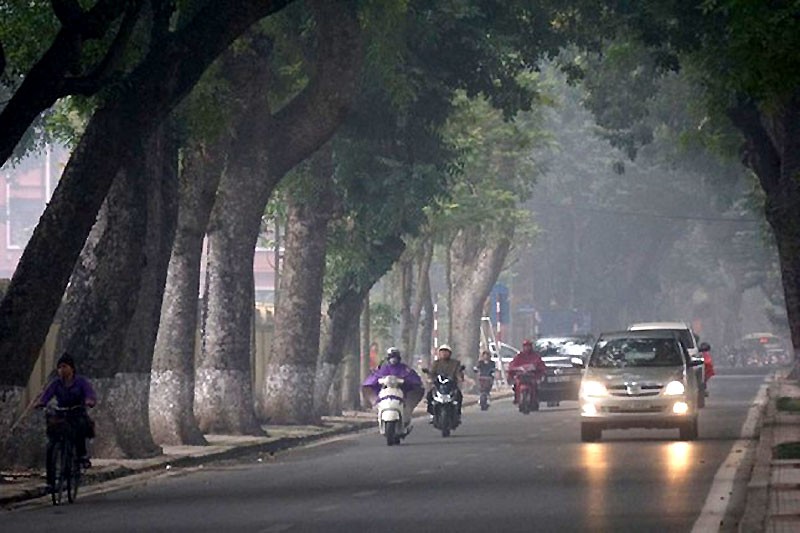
{"points": [[406, 274], [133, 377], [223, 381], [366, 342], [476, 267], [290, 373], [103, 295], [172, 419], [343, 314], [423, 306], [772, 150], [294, 133]]}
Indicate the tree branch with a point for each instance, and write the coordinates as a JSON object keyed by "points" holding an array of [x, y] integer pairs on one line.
{"points": [[102, 72], [43, 84], [308, 120], [758, 153]]}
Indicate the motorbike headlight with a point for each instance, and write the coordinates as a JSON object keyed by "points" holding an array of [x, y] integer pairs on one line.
{"points": [[674, 388], [593, 388]]}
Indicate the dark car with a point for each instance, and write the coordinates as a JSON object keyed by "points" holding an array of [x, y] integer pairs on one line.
{"points": [[562, 378]]}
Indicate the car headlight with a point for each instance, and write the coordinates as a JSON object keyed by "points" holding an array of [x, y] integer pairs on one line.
{"points": [[674, 388], [593, 388]]}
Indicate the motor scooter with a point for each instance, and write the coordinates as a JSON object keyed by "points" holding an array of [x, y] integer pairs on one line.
{"points": [[485, 384], [391, 402], [526, 385]]}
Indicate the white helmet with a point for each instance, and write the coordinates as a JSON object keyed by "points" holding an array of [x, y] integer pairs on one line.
{"points": [[445, 347]]}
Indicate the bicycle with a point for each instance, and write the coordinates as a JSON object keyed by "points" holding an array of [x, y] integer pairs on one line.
{"points": [[63, 464]]}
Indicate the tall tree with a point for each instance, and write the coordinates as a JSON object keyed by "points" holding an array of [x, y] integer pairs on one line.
{"points": [[478, 221], [210, 114], [289, 136], [311, 204], [133, 112]]}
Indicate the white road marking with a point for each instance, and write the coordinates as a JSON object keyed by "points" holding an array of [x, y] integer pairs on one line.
{"points": [[325, 508], [424, 472], [719, 496], [397, 481], [365, 493], [277, 528]]}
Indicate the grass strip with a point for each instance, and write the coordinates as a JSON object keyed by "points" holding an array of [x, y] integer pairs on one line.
{"points": [[786, 450], [787, 403]]}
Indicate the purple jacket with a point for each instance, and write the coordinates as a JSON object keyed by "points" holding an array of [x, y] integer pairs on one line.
{"points": [[411, 379], [77, 393]]}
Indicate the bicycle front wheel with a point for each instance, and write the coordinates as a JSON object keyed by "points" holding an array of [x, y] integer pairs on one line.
{"points": [[73, 476], [57, 462]]}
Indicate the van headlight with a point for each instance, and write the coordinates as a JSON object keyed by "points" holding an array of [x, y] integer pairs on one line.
{"points": [[674, 388], [593, 388]]}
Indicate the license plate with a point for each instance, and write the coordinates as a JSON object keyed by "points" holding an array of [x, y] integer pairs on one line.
{"points": [[558, 379], [635, 406]]}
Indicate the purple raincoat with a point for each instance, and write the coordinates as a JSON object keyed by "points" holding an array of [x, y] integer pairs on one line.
{"points": [[411, 379]]}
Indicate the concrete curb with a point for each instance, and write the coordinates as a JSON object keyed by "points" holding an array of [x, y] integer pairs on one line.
{"points": [[757, 500]]}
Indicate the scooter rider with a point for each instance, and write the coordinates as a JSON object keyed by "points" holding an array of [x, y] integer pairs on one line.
{"points": [[524, 358], [445, 365], [394, 366], [708, 364]]}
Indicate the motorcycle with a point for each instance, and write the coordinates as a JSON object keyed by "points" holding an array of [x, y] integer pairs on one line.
{"points": [[485, 384], [526, 385], [445, 404], [391, 401]]}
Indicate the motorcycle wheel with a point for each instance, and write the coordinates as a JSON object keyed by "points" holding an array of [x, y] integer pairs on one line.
{"points": [[444, 423], [484, 402], [390, 429], [525, 402]]}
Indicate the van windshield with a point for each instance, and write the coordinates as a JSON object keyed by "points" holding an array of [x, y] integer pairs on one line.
{"points": [[630, 352]]}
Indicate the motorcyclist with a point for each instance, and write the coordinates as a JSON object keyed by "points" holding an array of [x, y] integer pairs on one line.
{"points": [[526, 357], [486, 367], [445, 365], [412, 383], [708, 364]]}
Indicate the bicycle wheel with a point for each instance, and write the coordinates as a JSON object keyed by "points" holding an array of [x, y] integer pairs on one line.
{"points": [[57, 461], [72, 473]]}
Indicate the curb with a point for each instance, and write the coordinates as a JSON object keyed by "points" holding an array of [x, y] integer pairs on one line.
{"points": [[754, 517]]}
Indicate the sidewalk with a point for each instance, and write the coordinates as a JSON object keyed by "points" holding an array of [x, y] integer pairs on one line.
{"points": [[19, 487], [773, 493]]}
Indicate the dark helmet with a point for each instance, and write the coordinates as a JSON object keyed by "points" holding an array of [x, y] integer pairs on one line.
{"points": [[66, 359], [393, 353], [705, 347]]}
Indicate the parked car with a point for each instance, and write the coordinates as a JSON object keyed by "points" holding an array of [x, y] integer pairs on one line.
{"points": [[688, 338], [639, 379]]}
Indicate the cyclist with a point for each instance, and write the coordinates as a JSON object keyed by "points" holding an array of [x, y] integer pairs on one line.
{"points": [[71, 390]]}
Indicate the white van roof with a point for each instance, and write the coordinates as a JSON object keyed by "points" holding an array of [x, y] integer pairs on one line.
{"points": [[657, 325]]}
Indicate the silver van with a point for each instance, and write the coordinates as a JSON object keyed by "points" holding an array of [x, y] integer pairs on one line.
{"points": [[689, 339], [639, 379]]}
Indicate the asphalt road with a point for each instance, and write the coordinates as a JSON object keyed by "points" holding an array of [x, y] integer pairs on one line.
{"points": [[499, 471]]}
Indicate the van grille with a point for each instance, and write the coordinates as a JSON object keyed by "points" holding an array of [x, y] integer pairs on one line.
{"points": [[630, 391]]}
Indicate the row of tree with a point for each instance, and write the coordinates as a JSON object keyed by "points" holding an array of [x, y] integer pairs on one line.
{"points": [[187, 116]]}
